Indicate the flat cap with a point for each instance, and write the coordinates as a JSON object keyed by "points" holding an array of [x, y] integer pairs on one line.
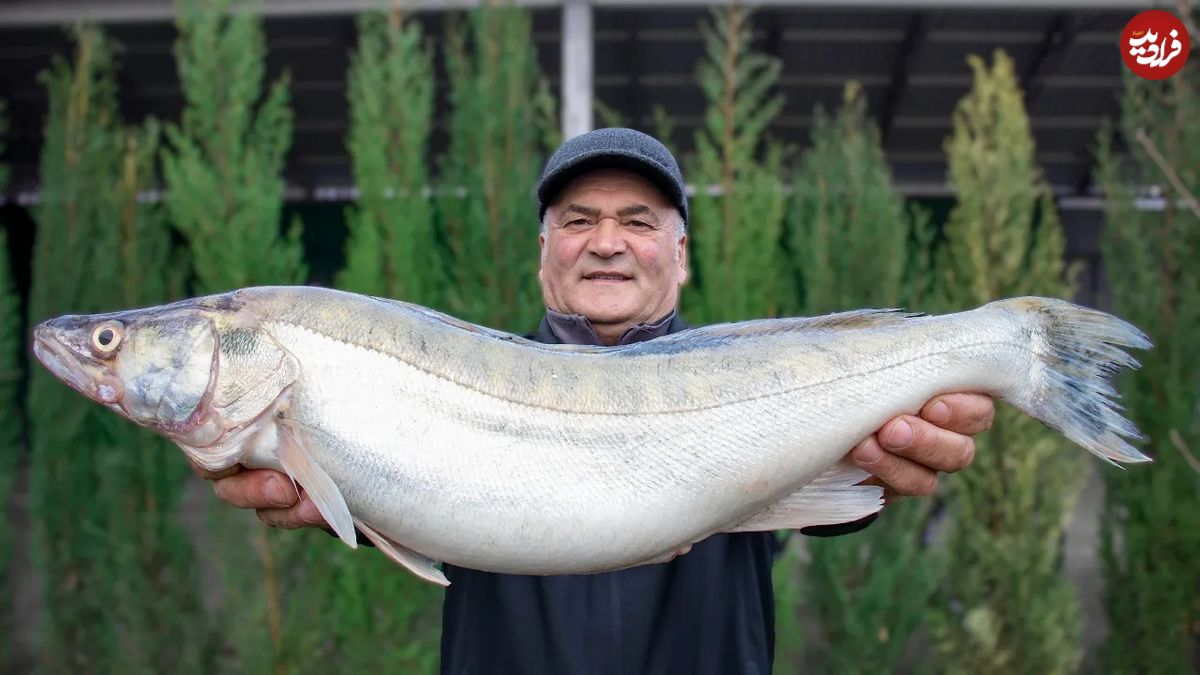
{"points": [[613, 148]]}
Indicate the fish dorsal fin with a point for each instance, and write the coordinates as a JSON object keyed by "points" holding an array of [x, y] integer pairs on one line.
{"points": [[412, 561], [297, 461], [722, 333], [859, 318], [833, 498]]}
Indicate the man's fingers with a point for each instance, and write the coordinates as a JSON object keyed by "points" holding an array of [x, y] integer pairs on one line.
{"points": [[272, 495], [256, 489], [303, 514], [902, 476], [928, 445], [961, 413]]}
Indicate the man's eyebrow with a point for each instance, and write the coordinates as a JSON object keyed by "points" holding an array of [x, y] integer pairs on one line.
{"points": [[624, 212], [634, 210], [585, 210]]}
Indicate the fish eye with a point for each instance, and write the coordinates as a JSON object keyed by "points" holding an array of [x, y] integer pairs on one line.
{"points": [[106, 337]]}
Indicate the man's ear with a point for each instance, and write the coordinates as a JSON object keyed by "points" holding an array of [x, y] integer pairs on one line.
{"points": [[542, 255], [683, 259]]}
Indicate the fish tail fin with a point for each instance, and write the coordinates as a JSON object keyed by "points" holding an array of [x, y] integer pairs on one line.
{"points": [[1076, 353]]}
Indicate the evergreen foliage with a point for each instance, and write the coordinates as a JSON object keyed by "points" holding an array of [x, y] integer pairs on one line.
{"points": [[1006, 606], [854, 244], [223, 163], [853, 241], [1152, 515], [11, 423], [391, 242], [735, 258], [77, 153], [501, 128], [387, 619]]}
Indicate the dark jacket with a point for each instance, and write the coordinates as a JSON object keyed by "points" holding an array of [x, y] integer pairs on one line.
{"points": [[710, 611]]}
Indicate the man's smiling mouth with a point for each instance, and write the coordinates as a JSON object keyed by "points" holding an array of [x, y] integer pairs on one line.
{"points": [[606, 276]]}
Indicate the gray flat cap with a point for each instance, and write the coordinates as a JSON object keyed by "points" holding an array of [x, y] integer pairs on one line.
{"points": [[613, 148]]}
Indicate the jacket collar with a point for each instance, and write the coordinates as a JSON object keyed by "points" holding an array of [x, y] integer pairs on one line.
{"points": [[576, 329]]}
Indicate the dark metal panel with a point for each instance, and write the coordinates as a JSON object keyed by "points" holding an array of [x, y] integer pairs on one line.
{"points": [[951, 57], [988, 20]]}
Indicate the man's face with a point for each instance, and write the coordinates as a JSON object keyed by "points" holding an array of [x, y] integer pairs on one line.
{"points": [[612, 251]]}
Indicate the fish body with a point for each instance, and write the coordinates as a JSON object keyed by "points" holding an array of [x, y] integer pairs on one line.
{"points": [[446, 441]]}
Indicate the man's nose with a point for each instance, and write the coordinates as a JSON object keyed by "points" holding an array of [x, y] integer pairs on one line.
{"points": [[607, 239]]}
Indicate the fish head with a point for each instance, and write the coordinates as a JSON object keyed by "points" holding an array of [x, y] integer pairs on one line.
{"points": [[203, 372], [154, 366]]}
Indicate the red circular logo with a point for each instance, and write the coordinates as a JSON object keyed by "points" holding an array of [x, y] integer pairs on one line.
{"points": [[1154, 44]]}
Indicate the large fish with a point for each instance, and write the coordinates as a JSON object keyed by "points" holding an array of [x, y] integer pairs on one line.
{"points": [[440, 440]]}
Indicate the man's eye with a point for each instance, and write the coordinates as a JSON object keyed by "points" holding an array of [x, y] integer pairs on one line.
{"points": [[578, 222], [638, 223]]}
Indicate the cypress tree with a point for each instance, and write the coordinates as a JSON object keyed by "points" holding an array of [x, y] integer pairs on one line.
{"points": [[223, 164], [1152, 516], [386, 619], [735, 255], [854, 243], [737, 268], [501, 127], [70, 272], [223, 171], [1006, 606], [391, 244], [10, 411]]}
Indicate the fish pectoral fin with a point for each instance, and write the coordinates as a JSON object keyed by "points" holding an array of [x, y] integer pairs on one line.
{"points": [[414, 562], [325, 494], [833, 498]]}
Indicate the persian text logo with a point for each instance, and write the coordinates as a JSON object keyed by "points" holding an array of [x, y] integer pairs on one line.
{"points": [[1155, 44]]}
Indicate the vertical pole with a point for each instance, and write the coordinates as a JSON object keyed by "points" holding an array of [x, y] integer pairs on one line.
{"points": [[577, 38]]}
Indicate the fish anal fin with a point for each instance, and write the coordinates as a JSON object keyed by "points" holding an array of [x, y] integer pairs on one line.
{"points": [[411, 560], [834, 497], [297, 461]]}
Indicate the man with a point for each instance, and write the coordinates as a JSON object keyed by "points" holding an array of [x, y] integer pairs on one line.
{"points": [[613, 260]]}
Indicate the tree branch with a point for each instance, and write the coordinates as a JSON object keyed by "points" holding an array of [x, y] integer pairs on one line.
{"points": [[1165, 167], [1177, 440]]}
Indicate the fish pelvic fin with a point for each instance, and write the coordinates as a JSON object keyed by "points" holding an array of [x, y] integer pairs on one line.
{"points": [[414, 562], [299, 464], [1076, 353], [834, 497]]}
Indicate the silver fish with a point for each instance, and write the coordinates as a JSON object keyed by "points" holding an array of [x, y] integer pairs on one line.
{"points": [[441, 440]]}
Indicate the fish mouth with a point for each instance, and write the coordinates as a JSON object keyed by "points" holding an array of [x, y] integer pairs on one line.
{"points": [[61, 362]]}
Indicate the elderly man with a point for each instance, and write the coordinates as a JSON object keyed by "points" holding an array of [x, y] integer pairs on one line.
{"points": [[613, 259]]}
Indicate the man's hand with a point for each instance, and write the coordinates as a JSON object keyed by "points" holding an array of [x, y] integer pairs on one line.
{"points": [[270, 493], [907, 453]]}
